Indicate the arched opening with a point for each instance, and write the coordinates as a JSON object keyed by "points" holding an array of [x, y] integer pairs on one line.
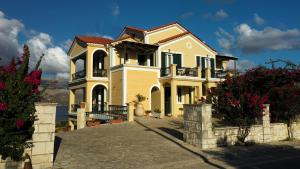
{"points": [[79, 65], [99, 103], [155, 99], [79, 71], [99, 67]]}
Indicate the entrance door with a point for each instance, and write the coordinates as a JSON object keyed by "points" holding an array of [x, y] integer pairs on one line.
{"points": [[167, 100]]}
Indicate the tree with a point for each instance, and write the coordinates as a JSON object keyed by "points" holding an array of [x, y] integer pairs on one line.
{"points": [[237, 105], [19, 90], [285, 105]]}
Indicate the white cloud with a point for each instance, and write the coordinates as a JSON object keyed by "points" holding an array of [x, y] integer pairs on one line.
{"points": [[249, 40], [241, 65], [55, 60], [66, 44], [258, 20], [225, 39], [115, 9], [62, 76], [219, 15], [186, 15], [9, 45]]}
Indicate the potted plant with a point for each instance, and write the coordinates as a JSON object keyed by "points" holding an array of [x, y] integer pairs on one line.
{"points": [[156, 113], [139, 108]]}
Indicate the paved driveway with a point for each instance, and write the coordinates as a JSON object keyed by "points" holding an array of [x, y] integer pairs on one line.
{"points": [[127, 145]]}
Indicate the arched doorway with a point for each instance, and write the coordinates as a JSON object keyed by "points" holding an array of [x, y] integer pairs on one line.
{"points": [[155, 98], [99, 67], [99, 99]]}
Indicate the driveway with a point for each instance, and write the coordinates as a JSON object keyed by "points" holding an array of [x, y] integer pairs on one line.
{"points": [[127, 145]]}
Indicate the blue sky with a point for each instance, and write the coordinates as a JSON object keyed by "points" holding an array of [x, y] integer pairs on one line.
{"points": [[253, 30]]}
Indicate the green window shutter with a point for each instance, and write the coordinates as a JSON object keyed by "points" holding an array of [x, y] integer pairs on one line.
{"points": [[177, 60], [212, 66], [163, 59], [203, 62], [198, 60]]}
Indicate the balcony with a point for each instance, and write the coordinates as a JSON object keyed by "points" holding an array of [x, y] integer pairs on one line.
{"points": [[173, 70], [186, 71], [100, 73], [79, 75]]}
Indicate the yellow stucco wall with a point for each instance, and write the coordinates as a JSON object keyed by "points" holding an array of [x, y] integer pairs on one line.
{"points": [[163, 34], [188, 54], [116, 87], [140, 82]]}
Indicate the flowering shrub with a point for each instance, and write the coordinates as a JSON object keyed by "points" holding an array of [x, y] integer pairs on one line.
{"points": [[239, 100], [237, 105], [18, 93]]}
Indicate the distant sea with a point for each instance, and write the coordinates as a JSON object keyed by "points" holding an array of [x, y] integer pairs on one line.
{"points": [[61, 113]]}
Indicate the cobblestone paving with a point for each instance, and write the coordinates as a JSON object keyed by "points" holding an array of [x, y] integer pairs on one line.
{"points": [[127, 145]]}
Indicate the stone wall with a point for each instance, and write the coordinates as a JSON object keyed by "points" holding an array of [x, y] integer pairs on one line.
{"points": [[43, 139], [198, 129]]}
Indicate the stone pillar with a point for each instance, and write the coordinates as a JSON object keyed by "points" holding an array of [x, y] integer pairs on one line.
{"points": [[267, 135], [81, 118], [44, 135], [72, 68], [173, 69], [130, 112], [198, 126], [207, 74], [199, 70], [71, 99]]}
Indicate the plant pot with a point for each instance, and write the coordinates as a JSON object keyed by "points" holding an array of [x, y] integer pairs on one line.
{"points": [[115, 121], [139, 110]]}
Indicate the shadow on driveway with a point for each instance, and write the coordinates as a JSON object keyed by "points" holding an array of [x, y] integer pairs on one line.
{"points": [[264, 156], [57, 142]]}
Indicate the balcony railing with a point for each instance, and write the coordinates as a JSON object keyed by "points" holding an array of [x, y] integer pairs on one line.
{"points": [[100, 73], [186, 71], [79, 74], [220, 73]]}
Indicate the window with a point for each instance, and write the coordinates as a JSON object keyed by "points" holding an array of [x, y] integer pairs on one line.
{"points": [[142, 60], [179, 94], [198, 61]]}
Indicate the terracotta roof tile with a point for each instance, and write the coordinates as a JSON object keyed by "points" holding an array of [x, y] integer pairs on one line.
{"points": [[93, 39], [173, 37], [162, 26], [134, 28]]}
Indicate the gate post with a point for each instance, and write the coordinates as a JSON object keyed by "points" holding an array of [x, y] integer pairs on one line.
{"points": [[130, 113], [81, 118], [267, 136], [198, 126]]}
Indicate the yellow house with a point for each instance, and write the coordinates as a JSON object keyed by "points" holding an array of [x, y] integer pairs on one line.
{"points": [[168, 65]]}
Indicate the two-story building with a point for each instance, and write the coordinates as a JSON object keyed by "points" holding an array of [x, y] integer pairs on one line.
{"points": [[168, 65]]}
